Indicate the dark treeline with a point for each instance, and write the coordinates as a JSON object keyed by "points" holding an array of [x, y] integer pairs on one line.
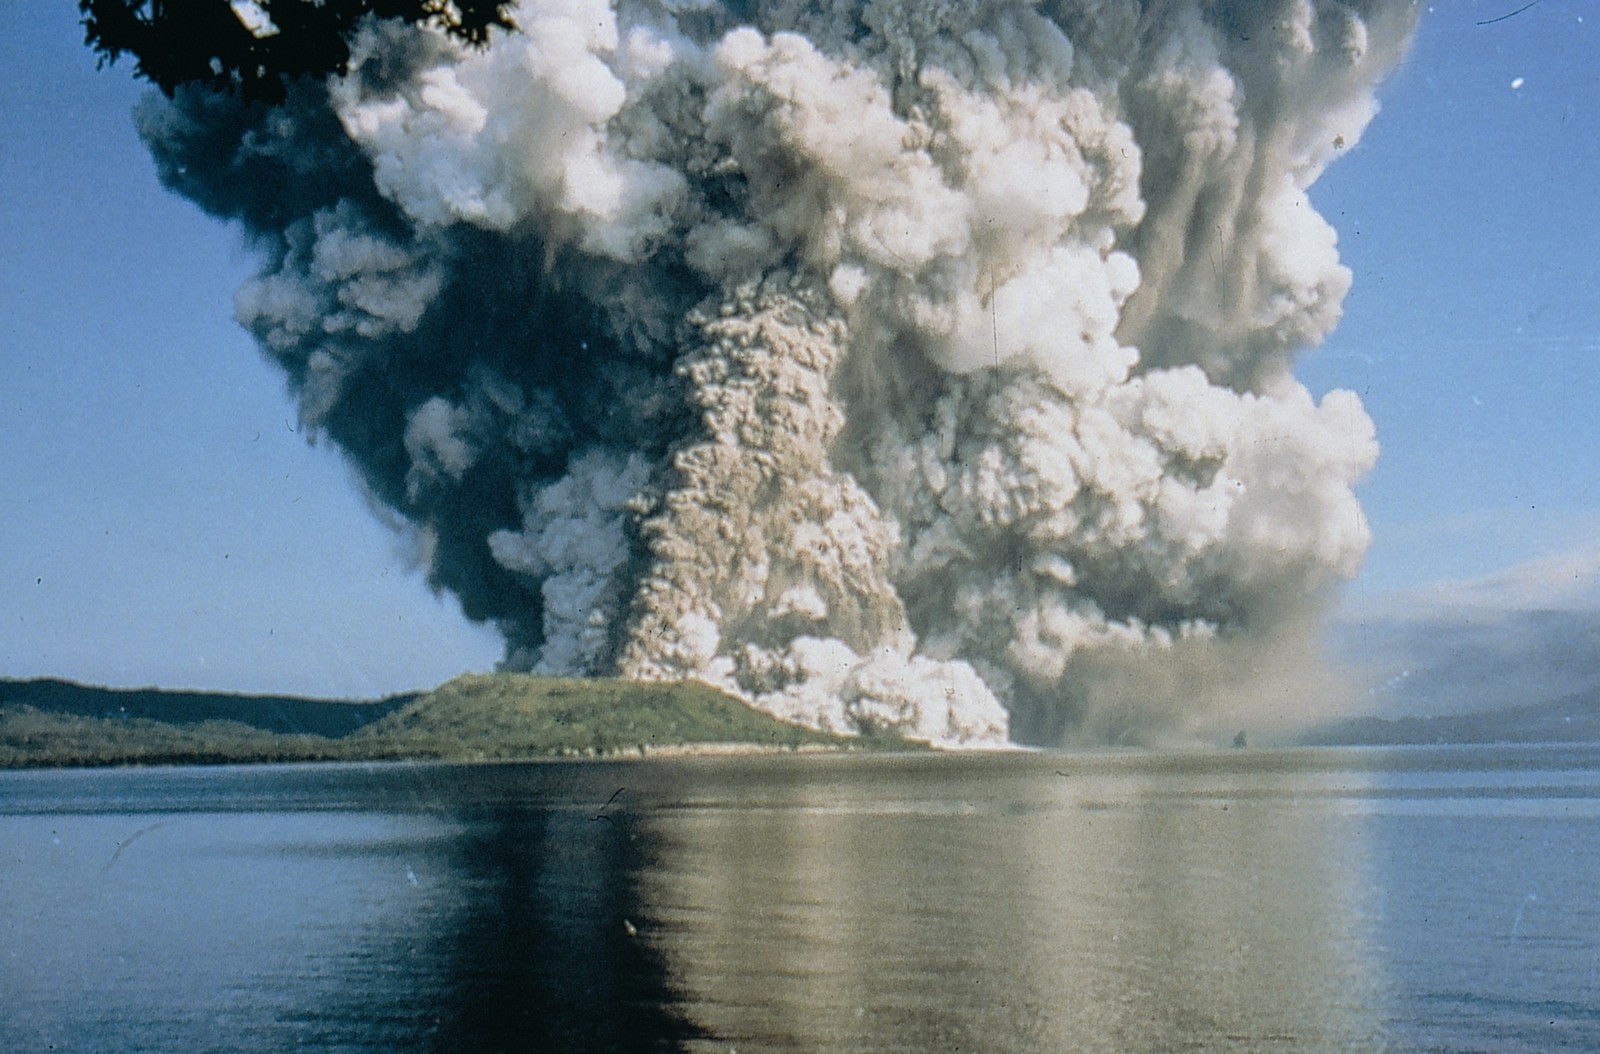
{"points": [[208, 42], [281, 714], [475, 717]]}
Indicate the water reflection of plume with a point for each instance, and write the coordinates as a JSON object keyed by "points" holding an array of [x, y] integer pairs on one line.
{"points": [[540, 957], [1035, 913]]}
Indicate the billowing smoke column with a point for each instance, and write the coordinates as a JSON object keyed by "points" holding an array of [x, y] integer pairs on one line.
{"points": [[910, 365]]}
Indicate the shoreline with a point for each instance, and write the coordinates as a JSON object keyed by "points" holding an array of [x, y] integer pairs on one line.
{"points": [[474, 718]]}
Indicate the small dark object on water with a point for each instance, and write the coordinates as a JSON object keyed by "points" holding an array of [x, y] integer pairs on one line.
{"points": [[1241, 741], [601, 815]]}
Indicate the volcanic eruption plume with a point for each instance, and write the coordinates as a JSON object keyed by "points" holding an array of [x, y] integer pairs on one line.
{"points": [[907, 365]]}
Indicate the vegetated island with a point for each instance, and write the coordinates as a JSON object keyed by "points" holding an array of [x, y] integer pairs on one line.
{"points": [[476, 717]]}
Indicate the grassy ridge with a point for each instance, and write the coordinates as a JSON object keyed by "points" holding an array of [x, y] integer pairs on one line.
{"points": [[475, 717], [520, 715]]}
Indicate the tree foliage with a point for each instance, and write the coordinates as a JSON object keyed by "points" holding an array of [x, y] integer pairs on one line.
{"points": [[255, 47], [500, 716]]}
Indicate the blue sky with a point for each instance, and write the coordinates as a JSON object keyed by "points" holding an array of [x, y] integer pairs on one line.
{"points": [[1470, 216], [162, 522]]}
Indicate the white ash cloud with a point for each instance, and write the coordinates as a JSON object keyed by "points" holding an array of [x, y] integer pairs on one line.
{"points": [[917, 366]]}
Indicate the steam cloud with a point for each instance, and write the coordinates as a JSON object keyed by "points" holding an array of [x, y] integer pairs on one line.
{"points": [[916, 365]]}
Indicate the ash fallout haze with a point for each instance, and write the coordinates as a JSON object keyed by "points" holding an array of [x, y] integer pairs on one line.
{"points": [[912, 366]]}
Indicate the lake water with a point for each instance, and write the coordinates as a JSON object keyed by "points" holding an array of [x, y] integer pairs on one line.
{"points": [[1439, 899]]}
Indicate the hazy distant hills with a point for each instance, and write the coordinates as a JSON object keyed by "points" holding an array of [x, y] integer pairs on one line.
{"points": [[282, 714], [1511, 657], [1572, 719], [475, 717]]}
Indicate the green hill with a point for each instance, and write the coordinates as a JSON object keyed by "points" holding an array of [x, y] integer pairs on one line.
{"points": [[520, 715], [475, 717]]}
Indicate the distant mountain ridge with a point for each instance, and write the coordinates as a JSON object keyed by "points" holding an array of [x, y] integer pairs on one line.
{"points": [[1570, 719], [279, 714]]}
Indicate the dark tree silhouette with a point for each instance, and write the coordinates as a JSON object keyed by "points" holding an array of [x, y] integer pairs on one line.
{"points": [[176, 42]]}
